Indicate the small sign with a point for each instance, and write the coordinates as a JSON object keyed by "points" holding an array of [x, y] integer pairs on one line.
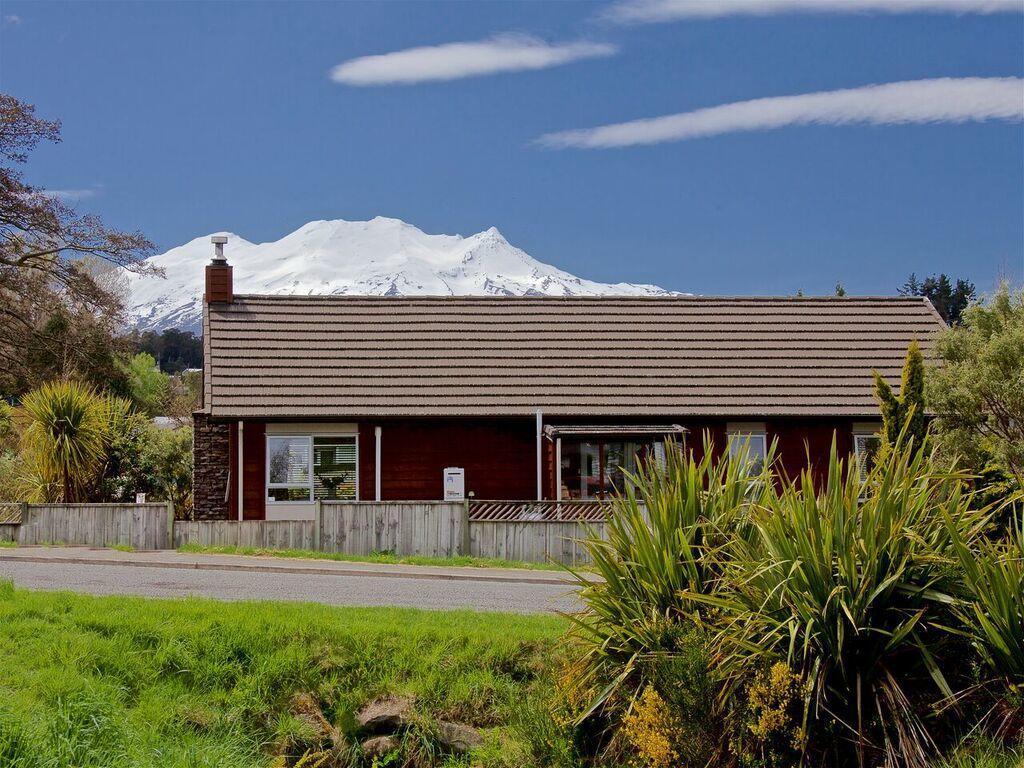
{"points": [[140, 498], [454, 484]]}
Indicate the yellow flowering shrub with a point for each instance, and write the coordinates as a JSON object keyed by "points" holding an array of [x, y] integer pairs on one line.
{"points": [[771, 697], [572, 696], [652, 731]]}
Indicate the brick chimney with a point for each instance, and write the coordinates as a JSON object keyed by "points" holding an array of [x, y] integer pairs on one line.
{"points": [[219, 282]]}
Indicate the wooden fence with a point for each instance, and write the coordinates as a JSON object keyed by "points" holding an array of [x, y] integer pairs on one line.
{"points": [[533, 541], [139, 526], [431, 529]]}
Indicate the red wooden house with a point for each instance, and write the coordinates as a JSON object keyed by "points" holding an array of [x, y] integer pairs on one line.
{"points": [[372, 398]]}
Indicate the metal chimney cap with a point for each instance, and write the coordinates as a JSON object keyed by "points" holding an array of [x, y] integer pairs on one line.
{"points": [[218, 249]]}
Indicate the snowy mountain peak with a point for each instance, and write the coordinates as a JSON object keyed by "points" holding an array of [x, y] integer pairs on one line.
{"points": [[382, 257]]}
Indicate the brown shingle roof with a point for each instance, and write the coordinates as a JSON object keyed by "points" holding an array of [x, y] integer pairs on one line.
{"points": [[347, 357]]}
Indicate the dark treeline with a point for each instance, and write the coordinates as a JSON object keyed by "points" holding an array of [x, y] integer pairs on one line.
{"points": [[949, 299], [174, 350]]}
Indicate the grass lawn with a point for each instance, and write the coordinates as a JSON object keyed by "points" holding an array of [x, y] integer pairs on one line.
{"points": [[376, 557], [117, 681]]}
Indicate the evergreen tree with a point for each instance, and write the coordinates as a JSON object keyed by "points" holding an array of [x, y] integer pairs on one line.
{"points": [[905, 410], [949, 299]]}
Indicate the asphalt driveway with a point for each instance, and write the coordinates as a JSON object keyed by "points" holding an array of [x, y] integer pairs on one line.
{"points": [[228, 577]]}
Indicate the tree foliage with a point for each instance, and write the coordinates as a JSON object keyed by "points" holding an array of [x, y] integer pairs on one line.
{"points": [[174, 350], [54, 262], [949, 299], [144, 383], [977, 394], [903, 413]]}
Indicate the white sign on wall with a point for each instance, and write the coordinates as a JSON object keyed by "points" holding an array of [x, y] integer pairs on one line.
{"points": [[454, 484]]}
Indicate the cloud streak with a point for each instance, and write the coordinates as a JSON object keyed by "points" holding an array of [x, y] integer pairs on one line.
{"points": [[69, 195], [943, 100], [452, 61], [655, 11]]}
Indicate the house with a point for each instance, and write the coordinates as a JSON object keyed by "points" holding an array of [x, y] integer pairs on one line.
{"points": [[373, 398]]}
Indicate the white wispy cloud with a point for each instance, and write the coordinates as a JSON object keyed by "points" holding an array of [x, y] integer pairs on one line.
{"points": [[654, 11], [70, 195], [942, 100], [451, 61]]}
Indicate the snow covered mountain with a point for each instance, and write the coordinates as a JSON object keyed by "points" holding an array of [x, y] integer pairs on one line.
{"points": [[382, 257]]}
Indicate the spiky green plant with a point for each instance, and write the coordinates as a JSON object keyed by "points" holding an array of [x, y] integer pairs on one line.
{"points": [[849, 584], [661, 536], [64, 437], [991, 610]]}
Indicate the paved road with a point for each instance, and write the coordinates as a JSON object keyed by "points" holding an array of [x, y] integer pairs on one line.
{"points": [[125, 574]]}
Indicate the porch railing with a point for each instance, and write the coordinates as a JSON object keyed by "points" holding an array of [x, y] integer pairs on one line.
{"points": [[10, 513], [526, 511]]}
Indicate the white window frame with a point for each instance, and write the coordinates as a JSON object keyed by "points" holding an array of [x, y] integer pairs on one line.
{"points": [[307, 436], [864, 430], [745, 433]]}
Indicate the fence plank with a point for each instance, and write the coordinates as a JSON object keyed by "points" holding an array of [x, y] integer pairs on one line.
{"points": [[434, 529]]}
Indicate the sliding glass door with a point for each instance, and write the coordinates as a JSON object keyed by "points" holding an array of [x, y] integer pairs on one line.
{"points": [[598, 469]]}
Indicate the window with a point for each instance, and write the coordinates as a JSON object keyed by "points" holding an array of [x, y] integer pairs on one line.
{"points": [[334, 468], [751, 437], [288, 469], [866, 442], [599, 470], [305, 468]]}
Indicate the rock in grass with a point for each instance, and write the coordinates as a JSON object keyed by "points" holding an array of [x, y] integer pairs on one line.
{"points": [[306, 709], [385, 715], [380, 747], [458, 737]]}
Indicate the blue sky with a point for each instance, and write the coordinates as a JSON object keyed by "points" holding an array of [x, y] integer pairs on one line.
{"points": [[183, 119]]}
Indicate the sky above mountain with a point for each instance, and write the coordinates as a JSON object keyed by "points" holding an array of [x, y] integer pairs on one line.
{"points": [[744, 147]]}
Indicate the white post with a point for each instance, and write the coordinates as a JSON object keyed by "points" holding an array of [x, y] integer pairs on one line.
{"points": [[241, 489], [540, 455], [376, 463], [558, 468]]}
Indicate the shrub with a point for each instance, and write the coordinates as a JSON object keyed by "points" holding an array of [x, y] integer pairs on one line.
{"points": [[662, 535], [991, 610], [827, 621], [652, 729], [851, 584]]}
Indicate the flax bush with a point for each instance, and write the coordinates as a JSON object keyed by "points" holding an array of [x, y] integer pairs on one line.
{"points": [[851, 584], [641, 628], [991, 611], [832, 621]]}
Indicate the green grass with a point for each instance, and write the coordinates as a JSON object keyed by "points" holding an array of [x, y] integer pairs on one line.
{"points": [[983, 754], [8, 544], [118, 681], [462, 561]]}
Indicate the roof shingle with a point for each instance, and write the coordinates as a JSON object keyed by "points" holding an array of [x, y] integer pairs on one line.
{"points": [[350, 357]]}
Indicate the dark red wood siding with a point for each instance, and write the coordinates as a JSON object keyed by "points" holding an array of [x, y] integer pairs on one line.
{"points": [[233, 471], [499, 455], [499, 458], [254, 456], [803, 443]]}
